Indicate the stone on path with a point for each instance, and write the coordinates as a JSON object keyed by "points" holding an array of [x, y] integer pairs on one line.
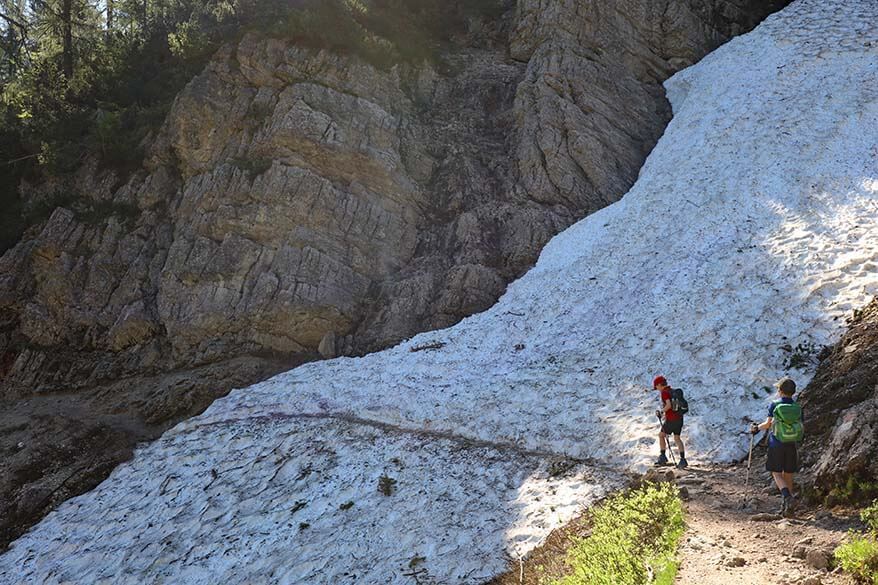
{"points": [[817, 558]]}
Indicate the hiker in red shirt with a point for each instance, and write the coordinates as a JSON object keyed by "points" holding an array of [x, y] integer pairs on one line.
{"points": [[672, 424]]}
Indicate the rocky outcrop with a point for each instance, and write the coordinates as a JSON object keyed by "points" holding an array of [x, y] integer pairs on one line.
{"points": [[841, 406], [295, 194]]}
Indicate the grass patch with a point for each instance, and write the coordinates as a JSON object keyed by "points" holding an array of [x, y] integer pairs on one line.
{"points": [[859, 556], [633, 540]]}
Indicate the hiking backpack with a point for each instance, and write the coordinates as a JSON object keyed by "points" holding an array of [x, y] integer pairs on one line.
{"points": [[678, 402], [786, 422]]}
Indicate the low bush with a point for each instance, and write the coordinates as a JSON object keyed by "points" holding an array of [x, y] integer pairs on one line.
{"points": [[859, 556], [633, 540], [855, 490], [870, 517]]}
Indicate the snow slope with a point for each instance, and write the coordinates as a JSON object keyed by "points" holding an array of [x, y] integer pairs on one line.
{"points": [[751, 226]]}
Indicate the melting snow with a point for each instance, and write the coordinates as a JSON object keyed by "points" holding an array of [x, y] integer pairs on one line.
{"points": [[751, 227]]}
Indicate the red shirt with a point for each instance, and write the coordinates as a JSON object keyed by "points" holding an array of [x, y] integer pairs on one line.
{"points": [[669, 414]]}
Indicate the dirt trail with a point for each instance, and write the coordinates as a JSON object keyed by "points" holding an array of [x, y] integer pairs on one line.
{"points": [[727, 544]]}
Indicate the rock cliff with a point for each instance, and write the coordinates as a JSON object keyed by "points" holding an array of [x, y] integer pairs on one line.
{"points": [[841, 406], [295, 196], [300, 202]]}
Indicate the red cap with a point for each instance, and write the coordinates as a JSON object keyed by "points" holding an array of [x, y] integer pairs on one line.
{"points": [[659, 381]]}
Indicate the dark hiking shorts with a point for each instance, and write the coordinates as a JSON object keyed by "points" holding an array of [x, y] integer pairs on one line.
{"points": [[782, 457], [672, 427]]}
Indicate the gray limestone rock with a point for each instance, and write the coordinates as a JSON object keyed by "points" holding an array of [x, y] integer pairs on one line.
{"points": [[291, 192]]}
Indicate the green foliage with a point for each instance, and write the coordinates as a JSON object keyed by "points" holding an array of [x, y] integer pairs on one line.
{"points": [[634, 535], [803, 356], [79, 81], [188, 43], [382, 32], [859, 558], [870, 517], [854, 490], [99, 212]]}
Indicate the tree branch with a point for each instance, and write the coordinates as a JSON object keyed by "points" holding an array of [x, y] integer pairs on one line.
{"points": [[12, 21]]}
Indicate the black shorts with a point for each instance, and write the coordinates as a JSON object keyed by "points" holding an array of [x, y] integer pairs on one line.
{"points": [[782, 457], [672, 427]]}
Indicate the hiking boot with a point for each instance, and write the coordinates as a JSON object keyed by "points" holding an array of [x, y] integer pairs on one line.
{"points": [[682, 463], [785, 506], [662, 460], [791, 505]]}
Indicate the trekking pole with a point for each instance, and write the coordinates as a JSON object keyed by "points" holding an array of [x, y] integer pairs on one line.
{"points": [[671, 451], [747, 494], [749, 461]]}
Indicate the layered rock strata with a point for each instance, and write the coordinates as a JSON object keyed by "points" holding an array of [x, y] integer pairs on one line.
{"points": [[295, 197]]}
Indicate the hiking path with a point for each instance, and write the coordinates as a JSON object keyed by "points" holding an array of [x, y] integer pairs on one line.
{"points": [[735, 536]]}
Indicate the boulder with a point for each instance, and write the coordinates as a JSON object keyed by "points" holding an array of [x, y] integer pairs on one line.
{"points": [[658, 475], [818, 558], [328, 346]]}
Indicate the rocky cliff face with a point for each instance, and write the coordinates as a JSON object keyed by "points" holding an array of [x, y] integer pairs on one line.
{"points": [[295, 197], [299, 201], [841, 406]]}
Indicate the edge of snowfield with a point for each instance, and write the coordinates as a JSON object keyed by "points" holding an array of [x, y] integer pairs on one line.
{"points": [[751, 226]]}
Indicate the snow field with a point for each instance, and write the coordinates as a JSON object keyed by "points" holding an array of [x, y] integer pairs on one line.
{"points": [[279, 499], [752, 226]]}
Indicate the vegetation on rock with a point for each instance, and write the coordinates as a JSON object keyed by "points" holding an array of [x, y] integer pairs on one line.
{"points": [[94, 78]]}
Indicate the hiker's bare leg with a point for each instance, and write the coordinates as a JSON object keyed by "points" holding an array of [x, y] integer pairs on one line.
{"points": [[788, 479], [663, 438], [679, 442], [779, 480]]}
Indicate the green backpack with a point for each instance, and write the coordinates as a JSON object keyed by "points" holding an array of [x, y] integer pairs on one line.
{"points": [[786, 422]]}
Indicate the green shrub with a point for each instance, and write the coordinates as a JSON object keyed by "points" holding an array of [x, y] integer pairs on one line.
{"points": [[386, 485], [859, 557], [189, 42], [99, 212], [633, 540], [870, 517], [854, 490]]}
